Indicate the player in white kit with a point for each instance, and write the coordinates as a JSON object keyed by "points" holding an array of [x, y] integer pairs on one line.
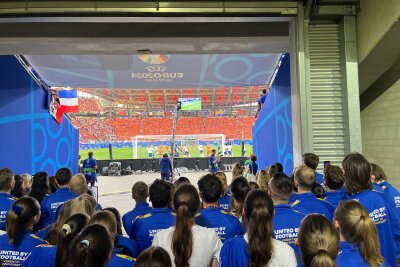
{"points": [[150, 151], [200, 147]]}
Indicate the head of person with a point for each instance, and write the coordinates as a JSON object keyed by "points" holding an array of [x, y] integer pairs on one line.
{"points": [[26, 182], [17, 190], [253, 158], [181, 180], [304, 178], [160, 194], [224, 181], [210, 188], [63, 176], [357, 173], [333, 177], [262, 179], [53, 186], [311, 160], [40, 186], [237, 170], [24, 213], [253, 186], [90, 154], [117, 216], [264, 91], [318, 190], [107, 219], [271, 170], [279, 166], [280, 188], [7, 180], [154, 256], [140, 192], [213, 151], [165, 155], [318, 241], [186, 203], [92, 247], [377, 173], [83, 204], [258, 214], [239, 190], [68, 231], [78, 184], [355, 226]]}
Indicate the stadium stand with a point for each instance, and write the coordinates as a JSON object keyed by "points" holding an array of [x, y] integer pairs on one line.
{"points": [[89, 105], [125, 128]]}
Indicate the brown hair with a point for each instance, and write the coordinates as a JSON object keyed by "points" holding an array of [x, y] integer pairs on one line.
{"points": [[20, 216], [140, 191], [311, 160], [186, 202], [224, 181], [263, 179], [333, 177], [378, 172], [154, 256], [105, 218], [357, 227], [78, 184], [305, 177], [318, 240], [6, 179], [237, 170], [258, 213], [357, 173], [239, 190], [281, 187]]}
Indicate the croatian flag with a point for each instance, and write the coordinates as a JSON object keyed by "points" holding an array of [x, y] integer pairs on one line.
{"points": [[69, 100]]}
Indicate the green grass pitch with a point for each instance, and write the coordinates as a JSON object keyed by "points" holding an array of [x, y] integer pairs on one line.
{"points": [[127, 152]]}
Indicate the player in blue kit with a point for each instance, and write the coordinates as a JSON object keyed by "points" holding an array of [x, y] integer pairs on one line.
{"points": [[19, 241], [357, 182], [50, 203], [359, 243], [213, 161], [89, 167], [306, 202], [160, 217], [225, 199], [165, 167], [311, 160], [333, 180], [140, 192], [286, 219], [6, 200], [213, 216]]}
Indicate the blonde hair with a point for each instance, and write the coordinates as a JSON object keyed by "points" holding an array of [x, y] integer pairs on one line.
{"points": [[237, 170], [105, 218], [357, 227], [83, 204], [305, 177], [26, 181], [224, 181], [78, 184], [263, 179]]}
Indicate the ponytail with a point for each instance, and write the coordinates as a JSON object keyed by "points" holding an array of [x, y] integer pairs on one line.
{"points": [[322, 259], [357, 227]]}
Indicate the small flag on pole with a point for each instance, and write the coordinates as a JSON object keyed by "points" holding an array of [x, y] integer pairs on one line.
{"points": [[69, 100]]}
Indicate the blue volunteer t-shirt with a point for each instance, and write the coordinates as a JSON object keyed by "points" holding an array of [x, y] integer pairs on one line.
{"points": [[308, 203], [145, 227], [141, 208], [385, 219], [127, 246], [261, 100], [334, 197], [349, 255], [253, 168], [12, 255], [234, 252], [120, 260], [88, 166], [225, 202], [6, 202], [42, 255], [392, 196], [50, 204], [165, 165], [319, 178], [224, 224], [213, 167], [286, 226]]}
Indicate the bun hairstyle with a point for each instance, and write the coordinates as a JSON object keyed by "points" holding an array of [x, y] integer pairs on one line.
{"points": [[319, 242], [258, 213], [357, 227], [72, 227], [21, 216], [154, 256], [91, 248], [186, 202]]}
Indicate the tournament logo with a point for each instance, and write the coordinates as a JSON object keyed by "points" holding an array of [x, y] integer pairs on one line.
{"points": [[155, 59]]}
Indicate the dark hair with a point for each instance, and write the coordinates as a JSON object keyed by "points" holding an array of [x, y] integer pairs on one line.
{"points": [[154, 257], [140, 191], [357, 173], [253, 157], [186, 203], [318, 190], [17, 191], [90, 154], [264, 91], [311, 160], [92, 247], [160, 193], [40, 186], [333, 177], [253, 185], [63, 176], [165, 155], [21, 214], [72, 227], [239, 189], [181, 180], [258, 212], [53, 184], [6, 177], [281, 186], [117, 218], [210, 188], [378, 172], [279, 166]]}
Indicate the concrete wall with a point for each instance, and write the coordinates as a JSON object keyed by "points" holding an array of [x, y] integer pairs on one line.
{"points": [[380, 123]]}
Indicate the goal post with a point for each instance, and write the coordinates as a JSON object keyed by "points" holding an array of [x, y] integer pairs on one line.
{"points": [[162, 143]]}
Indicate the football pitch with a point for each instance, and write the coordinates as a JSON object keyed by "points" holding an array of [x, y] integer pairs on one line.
{"points": [[127, 152]]}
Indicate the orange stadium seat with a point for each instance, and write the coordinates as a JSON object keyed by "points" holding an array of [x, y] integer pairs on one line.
{"points": [[88, 105]]}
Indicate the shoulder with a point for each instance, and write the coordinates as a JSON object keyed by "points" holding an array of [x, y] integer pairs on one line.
{"points": [[282, 250], [125, 257], [38, 239]]}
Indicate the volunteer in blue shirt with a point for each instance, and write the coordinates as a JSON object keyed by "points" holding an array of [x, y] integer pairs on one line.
{"points": [[140, 192], [6, 200], [19, 241], [357, 182], [312, 161], [306, 202], [211, 215], [333, 180], [50, 203], [225, 199], [165, 167], [261, 101], [213, 161], [160, 217], [286, 220], [89, 167], [356, 231]]}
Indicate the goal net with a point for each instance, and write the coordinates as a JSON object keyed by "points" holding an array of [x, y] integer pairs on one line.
{"points": [[196, 145]]}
